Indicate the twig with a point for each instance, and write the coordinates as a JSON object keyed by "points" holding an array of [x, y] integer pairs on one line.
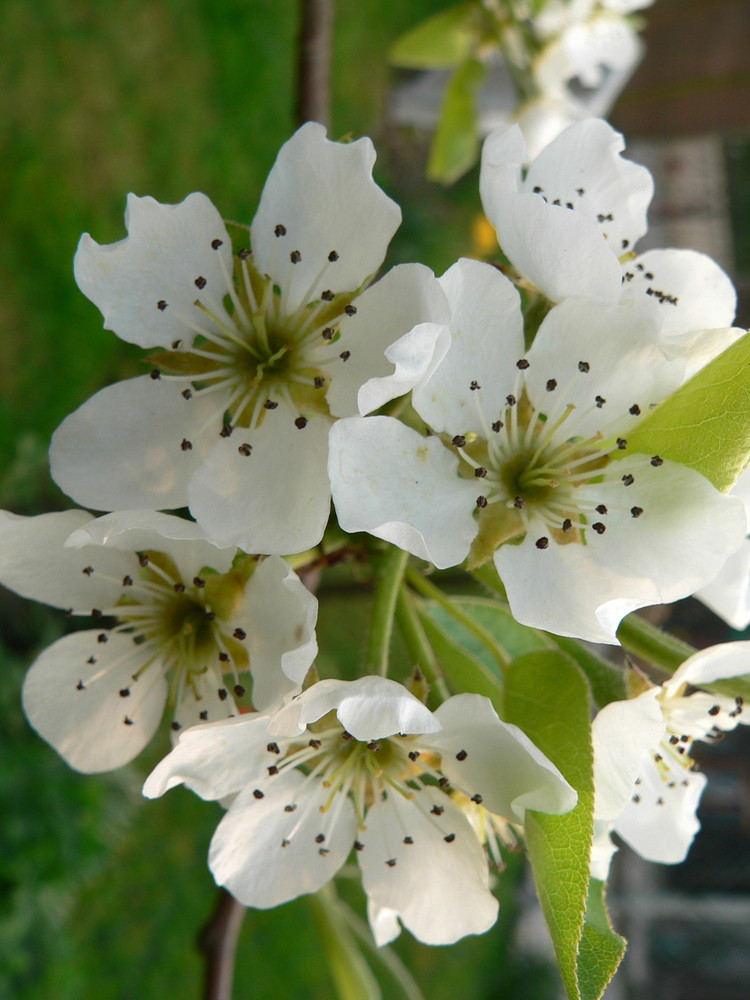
{"points": [[314, 65], [218, 942]]}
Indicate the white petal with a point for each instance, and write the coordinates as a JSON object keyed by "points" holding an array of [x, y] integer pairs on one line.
{"points": [[689, 289], [369, 708], [140, 530], [728, 594], [167, 249], [390, 481], [621, 733], [278, 615], [247, 855], [655, 558], [406, 296], [603, 850], [124, 448], [216, 759], [275, 500], [95, 714], [717, 663], [503, 156], [415, 356], [383, 923], [35, 563], [438, 887], [483, 755], [662, 832], [324, 196], [486, 340]]}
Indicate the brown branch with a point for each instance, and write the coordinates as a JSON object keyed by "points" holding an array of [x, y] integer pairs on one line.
{"points": [[314, 62], [218, 942]]}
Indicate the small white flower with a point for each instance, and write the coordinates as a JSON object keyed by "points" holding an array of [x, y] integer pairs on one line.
{"points": [[364, 764], [259, 349], [647, 788], [528, 448], [184, 620], [570, 223]]}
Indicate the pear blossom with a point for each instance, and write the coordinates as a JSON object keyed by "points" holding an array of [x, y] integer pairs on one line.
{"points": [[529, 448], [570, 222], [728, 594], [258, 347], [646, 787], [175, 624], [365, 765]]}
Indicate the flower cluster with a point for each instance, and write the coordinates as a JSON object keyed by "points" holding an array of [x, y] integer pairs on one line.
{"points": [[515, 441]]}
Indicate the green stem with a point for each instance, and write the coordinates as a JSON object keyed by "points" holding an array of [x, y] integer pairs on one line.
{"points": [[389, 574], [427, 589], [418, 644], [650, 643]]}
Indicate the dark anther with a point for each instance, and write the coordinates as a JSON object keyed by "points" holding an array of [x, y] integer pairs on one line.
{"points": [[449, 838], [124, 692], [199, 583], [408, 840], [636, 799], [203, 715], [523, 364], [551, 384], [625, 244], [634, 410], [622, 443], [215, 244], [333, 256], [580, 192], [176, 727], [315, 744], [358, 845], [245, 449], [300, 422], [240, 633], [443, 783], [510, 400], [319, 381], [599, 528], [542, 543], [239, 690], [200, 282], [556, 202], [186, 445], [80, 686], [674, 739], [413, 754], [462, 755], [87, 570], [567, 524], [270, 405], [320, 838], [497, 426], [102, 637], [373, 745], [476, 798], [537, 190], [179, 588], [346, 736], [437, 810], [295, 256], [91, 660], [600, 401], [127, 721], [155, 374], [96, 613], [273, 747], [223, 694], [143, 559], [257, 794], [474, 385], [601, 509], [628, 480], [224, 657], [569, 204], [519, 503], [187, 393], [480, 472], [327, 295], [279, 230], [391, 862], [459, 441], [350, 310], [636, 511], [345, 355], [244, 253], [481, 502], [290, 808], [328, 333], [656, 461], [584, 366], [161, 305], [226, 431]]}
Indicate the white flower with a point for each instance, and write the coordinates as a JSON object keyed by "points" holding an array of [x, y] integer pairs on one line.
{"points": [[311, 784], [570, 222], [728, 594], [259, 350], [532, 442], [647, 788], [183, 620]]}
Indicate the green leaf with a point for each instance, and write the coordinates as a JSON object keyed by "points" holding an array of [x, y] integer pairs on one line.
{"points": [[548, 697], [706, 423], [607, 681], [455, 146], [350, 972], [446, 39], [601, 949], [496, 621], [463, 670]]}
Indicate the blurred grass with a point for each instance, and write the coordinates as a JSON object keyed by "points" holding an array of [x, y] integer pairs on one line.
{"points": [[102, 894]]}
